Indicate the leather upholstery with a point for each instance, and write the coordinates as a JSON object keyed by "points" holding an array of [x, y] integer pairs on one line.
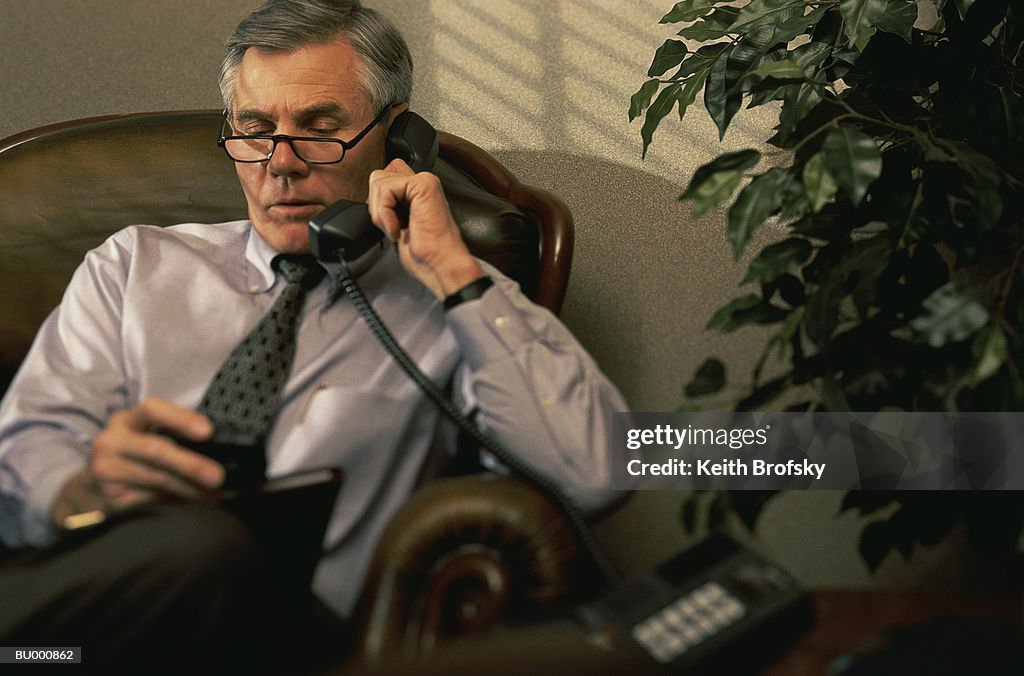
{"points": [[464, 552], [65, 188]]}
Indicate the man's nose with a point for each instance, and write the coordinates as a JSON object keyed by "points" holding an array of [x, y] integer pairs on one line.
{"points": [[284, 161]]}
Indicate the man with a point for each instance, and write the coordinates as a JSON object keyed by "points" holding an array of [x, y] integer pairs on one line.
{"points": [[121, 367]]}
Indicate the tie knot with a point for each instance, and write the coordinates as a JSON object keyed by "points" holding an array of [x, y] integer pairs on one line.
{"points": [[296, 268]]}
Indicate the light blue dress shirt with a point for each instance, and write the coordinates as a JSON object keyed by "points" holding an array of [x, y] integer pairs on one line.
{"points": [[155, 311]]}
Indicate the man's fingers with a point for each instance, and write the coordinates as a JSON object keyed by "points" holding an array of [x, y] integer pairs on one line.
{"points": [[154, 462], [396, 196], [132, 463], [399, 166], [119, 497], [163, 454], [130, 451], [157, 412], [387, 191]]}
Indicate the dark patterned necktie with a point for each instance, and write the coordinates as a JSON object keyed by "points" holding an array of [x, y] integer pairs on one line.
{"points": [[242, 399]]}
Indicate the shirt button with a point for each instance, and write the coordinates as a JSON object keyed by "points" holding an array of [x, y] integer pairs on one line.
{"points": [[500, 321], [254, 288]]}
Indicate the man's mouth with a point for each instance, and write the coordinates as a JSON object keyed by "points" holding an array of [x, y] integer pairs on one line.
{"points": [[297, 208]]}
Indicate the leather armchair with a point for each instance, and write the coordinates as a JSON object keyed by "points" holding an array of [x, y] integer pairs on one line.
{"points": [[465, 551]]}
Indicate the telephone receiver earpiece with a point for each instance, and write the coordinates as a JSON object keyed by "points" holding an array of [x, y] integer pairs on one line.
{"points": [[412, 139], [345, 226]]}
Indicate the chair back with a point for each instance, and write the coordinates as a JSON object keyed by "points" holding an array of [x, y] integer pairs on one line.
{"points": [[65, 188]]}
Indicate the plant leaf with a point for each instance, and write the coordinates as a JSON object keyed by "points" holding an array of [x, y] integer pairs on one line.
{"points": [[832, 395], [748, 505], [869, 260], [747, 309], [823, 311], [715, 182], [760, 199], [796, 104], [777, 259], [709, 379], [819, 186], [983, 186], [744, 55], [899, 18], [951, 313], [765, 393], [714, 191], [780, 70], [853, 160], [989, 350], [916, 220], [639, 101], [658, 110], [760, 13], [688, 513], [689, 94], [693, 64], [687, 10], [798, 24], [963, 6], [736, 161], [718, 511], [866, 502], [711, 27], [876, 541], [808, 57], [669, 55], [718, 101], [860, 18]]}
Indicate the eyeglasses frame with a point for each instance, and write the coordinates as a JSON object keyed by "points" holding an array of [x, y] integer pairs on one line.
{"points": [[278, 138]]}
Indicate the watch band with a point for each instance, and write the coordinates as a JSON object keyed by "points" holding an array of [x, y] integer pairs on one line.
{"points": [[471, 291]]}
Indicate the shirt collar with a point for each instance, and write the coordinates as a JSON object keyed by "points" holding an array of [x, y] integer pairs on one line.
{"points": [[261, 276], [258, 254]]}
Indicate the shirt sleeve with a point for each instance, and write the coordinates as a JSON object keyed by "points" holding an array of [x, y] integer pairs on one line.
{"points": [[69, 383], [538, 392]]}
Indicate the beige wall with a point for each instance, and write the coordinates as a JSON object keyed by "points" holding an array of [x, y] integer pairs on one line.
{"points": [[545, 86]]}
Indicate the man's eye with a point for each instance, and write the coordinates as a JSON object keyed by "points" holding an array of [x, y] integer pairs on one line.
{"points": [[325, 131]]}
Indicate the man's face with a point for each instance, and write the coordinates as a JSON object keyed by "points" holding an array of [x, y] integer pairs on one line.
{"points": [[311, 91]]}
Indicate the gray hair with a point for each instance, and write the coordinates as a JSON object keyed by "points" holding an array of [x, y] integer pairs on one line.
{"points": [[285, 25]]}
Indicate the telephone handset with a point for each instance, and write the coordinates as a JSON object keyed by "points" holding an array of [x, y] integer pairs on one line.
{"points": [[343, 232], [692, 610], [346, 225]]}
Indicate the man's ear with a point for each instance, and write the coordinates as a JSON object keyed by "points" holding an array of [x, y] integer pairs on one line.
{"points": [[396, 110]]}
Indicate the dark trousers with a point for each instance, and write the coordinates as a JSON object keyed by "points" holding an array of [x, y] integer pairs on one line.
{"points": [[178, 588]]}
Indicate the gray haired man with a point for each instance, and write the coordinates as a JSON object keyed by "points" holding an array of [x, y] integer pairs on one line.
{"points": [[90, 421]]}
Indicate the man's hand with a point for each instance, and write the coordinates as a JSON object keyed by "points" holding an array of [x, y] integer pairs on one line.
{"points": [[431, 247], [130, 464]]}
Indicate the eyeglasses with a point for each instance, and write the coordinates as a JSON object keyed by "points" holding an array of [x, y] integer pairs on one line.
{"points": [[311, 150]]}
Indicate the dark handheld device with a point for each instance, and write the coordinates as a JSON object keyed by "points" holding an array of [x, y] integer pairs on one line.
{"points": [[691, 612], [345, 226], [243, 457]]}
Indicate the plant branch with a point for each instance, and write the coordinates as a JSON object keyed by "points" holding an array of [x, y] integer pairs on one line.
{"points": [[856, 114]]}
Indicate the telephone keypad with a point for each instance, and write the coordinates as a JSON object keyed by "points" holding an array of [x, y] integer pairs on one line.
{"points": [[699, 614]]}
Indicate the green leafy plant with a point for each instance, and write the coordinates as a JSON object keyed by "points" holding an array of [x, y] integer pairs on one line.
{"points": [[896, 177]]}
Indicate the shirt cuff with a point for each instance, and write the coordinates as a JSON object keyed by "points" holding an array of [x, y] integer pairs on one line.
{"points": [[489, 329], [37, 520]]}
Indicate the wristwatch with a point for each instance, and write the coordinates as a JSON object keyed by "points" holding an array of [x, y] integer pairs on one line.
{"points": [[471, 291]]}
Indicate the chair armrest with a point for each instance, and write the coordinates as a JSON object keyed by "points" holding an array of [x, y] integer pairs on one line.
{"points": [[464, 552]]}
